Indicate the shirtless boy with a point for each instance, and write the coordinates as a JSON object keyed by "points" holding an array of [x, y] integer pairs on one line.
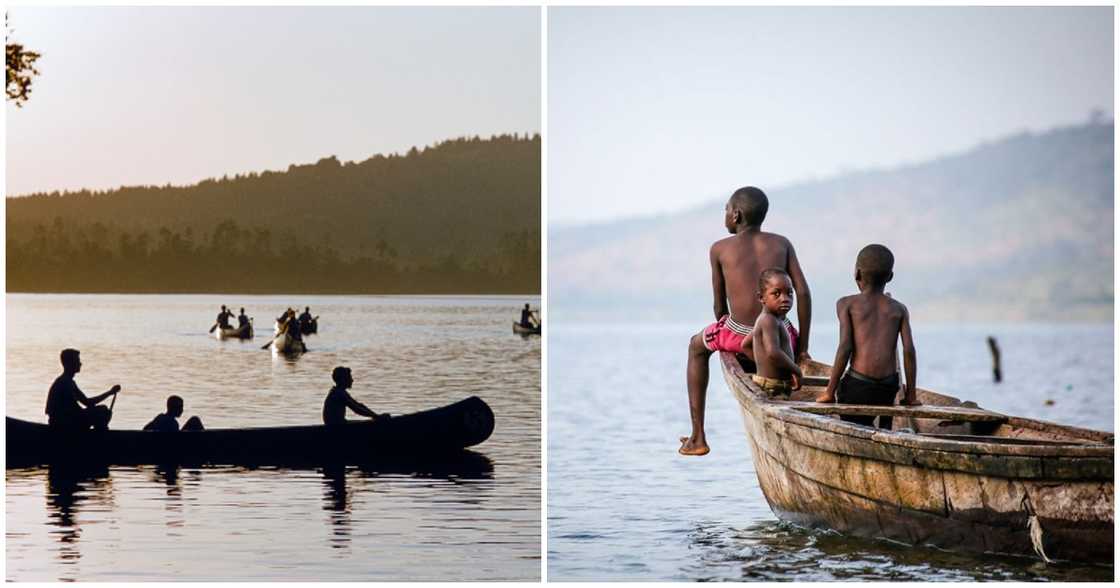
{"points": [[777, 372], [871, 324], [737, 262]]}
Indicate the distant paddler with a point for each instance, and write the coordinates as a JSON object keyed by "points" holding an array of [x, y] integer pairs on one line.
{"points": [[307, 323], [223, 319], [68, 408], [529, 318], [242, 320]]}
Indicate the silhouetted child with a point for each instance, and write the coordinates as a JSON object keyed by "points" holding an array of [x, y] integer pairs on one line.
{"points": [[339, 399], [736, 263], [777, 372], [168, 420], [871, 324]]}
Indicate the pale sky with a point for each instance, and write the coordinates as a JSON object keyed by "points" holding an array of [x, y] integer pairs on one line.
{"points": [[660, 109], [132, 96]]}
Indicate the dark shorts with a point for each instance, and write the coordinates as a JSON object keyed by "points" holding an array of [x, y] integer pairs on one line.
{"points": [[856, 388]]}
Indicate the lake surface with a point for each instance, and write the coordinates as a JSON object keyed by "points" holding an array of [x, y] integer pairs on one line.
{"points": [[623, 505], [480, 520]]}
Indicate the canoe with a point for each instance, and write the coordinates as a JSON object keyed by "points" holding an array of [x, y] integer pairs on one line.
{"points": [[310, 328], [438, 431], [520, 330], [235, 332], [949, 474], [285, 343]]}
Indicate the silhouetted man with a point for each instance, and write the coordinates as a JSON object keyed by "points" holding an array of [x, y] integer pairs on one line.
{"points": [[527, 317], [67, 407], [339, 399], [242, 320], [224, 316]]}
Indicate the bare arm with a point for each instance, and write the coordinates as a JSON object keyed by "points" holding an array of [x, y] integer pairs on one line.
{"points": [[804, 306], [91, 402], [772, 348], [909, 360], [843, 352], [359, 408], [719, 289]]}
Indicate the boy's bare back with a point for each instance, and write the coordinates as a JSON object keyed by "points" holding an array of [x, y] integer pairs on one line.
{"points": [[876, 321], [740, 258]]}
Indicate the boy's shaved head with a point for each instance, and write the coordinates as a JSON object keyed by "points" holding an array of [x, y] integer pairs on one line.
{"points": [[769, 274], [875, 263], [751, 203]]}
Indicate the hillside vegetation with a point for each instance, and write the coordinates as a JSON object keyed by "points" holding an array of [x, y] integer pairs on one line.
{"points": [[462, 216]]}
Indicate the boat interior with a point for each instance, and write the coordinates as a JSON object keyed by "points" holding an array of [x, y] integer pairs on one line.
{"points": [[942, 417]]}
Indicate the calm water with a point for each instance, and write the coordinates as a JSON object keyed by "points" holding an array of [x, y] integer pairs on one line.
{"points": [[622, 505], [479, 521]]}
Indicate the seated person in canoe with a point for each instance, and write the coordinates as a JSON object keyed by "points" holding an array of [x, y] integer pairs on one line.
{"points": [[871, 323], [305, 319], [242, 320], [772, 340], [737, 262], [224, 316], [339, 399], [167, 422], [68, 408], [528, 318]]}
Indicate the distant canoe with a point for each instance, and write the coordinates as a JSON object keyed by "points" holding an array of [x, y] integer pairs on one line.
{"points": [[520, 330], [245, 332], [443, 430], [285, 343], [966, 479], [311, 327]]}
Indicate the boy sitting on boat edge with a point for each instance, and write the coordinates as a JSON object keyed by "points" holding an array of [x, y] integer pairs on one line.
{"points": [[871, 324], [736, 263]]}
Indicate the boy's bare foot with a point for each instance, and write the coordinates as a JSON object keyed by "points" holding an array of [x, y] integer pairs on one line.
{"points": [[825, 397], [690, 447]]}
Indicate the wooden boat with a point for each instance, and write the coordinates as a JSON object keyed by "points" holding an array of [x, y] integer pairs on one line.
{"points": [[438, 431], [949, 474], [285, 343], [520, 330], [245, 332]]}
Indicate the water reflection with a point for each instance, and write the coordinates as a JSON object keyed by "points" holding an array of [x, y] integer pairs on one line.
{"points": [[67, 488], [336, 501], [778, 551]]}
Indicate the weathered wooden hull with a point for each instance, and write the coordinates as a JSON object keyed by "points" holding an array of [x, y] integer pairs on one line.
{"points": [[977, 495], [520, 330], [235, 332], [390, 440]]}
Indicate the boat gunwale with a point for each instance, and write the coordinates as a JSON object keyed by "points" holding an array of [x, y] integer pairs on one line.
{"points": [[754, 397]]}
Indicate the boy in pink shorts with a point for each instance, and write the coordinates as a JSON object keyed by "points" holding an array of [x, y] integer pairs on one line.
{"points": [[737, 261]]}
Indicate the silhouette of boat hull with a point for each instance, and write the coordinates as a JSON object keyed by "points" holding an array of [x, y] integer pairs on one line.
{"points": [[958, 477], [520, 330], [245, 332], [399, 439]]}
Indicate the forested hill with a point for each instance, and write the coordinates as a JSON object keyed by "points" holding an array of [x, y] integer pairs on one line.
{"points": [[1016, 229], [462, 216]]}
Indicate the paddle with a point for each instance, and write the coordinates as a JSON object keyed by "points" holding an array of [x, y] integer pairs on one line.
{"points": [[213, 327], [269, 343]]}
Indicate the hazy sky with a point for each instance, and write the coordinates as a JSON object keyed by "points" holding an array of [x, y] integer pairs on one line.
{"points": [[157, 95], [658, 109]]}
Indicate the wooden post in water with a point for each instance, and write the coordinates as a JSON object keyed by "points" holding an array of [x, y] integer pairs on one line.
{"points": [[997, 373]]}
